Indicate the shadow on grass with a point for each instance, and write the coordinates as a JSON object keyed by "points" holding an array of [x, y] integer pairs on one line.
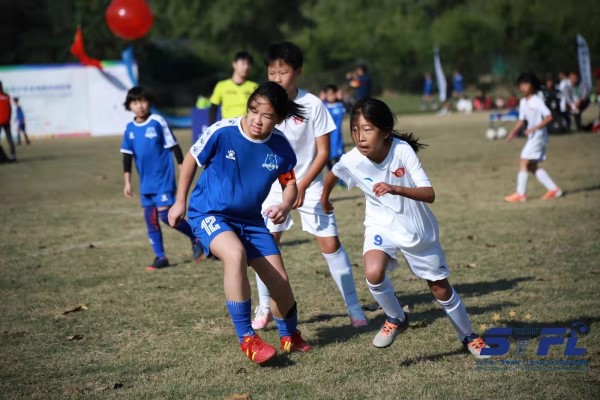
{"points": [[432, 357], [581, 190], [281, 360], [296, 242]]}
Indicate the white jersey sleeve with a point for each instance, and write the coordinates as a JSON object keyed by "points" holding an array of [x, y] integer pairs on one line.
{"points": [[522, 107], [206, 146], [545, 111], [414, 167], [340, 169]]}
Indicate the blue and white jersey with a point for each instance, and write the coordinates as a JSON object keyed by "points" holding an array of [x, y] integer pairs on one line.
{"points": [[238, 171], [150, 142], [336, 140]]}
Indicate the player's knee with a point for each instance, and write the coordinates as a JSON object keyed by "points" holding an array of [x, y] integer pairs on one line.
{"points": [[441, 290], [374, 274]]}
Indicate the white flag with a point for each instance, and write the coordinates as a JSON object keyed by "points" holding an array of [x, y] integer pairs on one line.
{"points": [[585, 68], [439, 74]]}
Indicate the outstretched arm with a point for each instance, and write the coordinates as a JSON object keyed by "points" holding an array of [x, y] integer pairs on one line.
{"points": [[330, 181], [515, 130], [424, 194], [186, 176]]}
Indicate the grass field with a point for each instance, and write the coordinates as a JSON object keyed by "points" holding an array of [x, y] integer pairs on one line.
{"points": [[69, 238]]}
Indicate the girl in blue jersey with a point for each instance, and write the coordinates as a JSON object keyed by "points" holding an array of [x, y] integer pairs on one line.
{"points": [[149, 141], [242, 157]]}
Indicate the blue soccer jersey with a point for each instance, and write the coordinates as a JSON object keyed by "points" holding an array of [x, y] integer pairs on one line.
{"points": [[336, 140], [150, 142], [238, 171]]}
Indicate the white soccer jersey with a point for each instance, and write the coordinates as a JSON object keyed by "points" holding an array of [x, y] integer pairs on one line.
{"points": [[411, 220], [302, 133], [533, 110]]}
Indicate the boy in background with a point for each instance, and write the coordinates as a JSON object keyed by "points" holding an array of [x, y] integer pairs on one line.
{"points": [[337, 110], [20, 119]]}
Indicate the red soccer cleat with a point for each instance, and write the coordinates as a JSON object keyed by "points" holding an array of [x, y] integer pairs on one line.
{"points": [[257, 350], [294, 343]]}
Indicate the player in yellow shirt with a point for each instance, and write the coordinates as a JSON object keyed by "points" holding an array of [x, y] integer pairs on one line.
{"points": [[232, 94]]}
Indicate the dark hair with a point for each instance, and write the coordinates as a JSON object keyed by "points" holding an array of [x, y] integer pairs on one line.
{"points": [[287, 52], [243, 55], [528, 77], [137, 93], [16, 99], [379, 114], [363, 67], [331, 87], [277, 96]]}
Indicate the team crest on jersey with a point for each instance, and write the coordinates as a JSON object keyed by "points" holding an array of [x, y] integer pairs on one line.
{"points": [[164, 197], [230, 155], [270, 162], [150, 132], [131, 136], [399, 172], [297, 121]]}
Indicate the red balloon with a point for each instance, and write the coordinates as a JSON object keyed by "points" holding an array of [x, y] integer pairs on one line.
{"points": [[129, 19]]}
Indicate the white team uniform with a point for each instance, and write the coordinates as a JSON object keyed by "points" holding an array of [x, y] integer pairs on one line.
{"points": [[533, 110], [301, 135], [395, 223]]}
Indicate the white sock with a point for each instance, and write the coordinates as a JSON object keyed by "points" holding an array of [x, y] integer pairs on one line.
{"points": [[522, 182], [341, 271], [263, 293], [456, 311], [385, 296], [545, 179]]}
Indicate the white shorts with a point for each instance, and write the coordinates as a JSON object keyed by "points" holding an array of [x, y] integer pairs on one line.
{"points": [[534, 149], [426, 262], [314, 220]]}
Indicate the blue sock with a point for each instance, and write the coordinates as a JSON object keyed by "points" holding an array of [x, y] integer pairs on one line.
{"points": [[183, 226], [240, 312], [288, 325], [154, 233]]}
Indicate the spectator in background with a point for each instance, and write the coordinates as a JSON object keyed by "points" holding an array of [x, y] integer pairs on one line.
{"points": [[464, 105], [361, 81], [579, 98], [512, 101], [336, 110], [564, 87], [481, 101], [20, 120], [427, 99], [232, 94], [457, 84], [5, 113], [551, 97]]}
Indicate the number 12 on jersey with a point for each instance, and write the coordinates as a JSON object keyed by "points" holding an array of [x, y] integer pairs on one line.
{"points": [[209, 225]]}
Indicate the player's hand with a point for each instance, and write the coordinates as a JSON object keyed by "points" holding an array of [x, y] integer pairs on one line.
{"points": [[300, 198], [382, 188], [511, 136], [277, 214], [528, 132], [127, 190], [176, 214], [327, 205]]}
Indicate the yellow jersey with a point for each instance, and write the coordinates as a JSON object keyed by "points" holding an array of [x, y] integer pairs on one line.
{"points": [[232, 97]]}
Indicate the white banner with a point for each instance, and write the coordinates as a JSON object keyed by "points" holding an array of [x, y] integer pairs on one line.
{"points": [[439, 74], [585, 68], [69, 99]]}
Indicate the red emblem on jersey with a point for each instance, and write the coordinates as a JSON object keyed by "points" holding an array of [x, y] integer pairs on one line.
{"points": [[399, 172], [297, 121]]}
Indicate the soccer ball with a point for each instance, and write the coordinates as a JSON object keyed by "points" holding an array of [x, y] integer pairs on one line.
{"points": [[490, 134], [501, 132]]}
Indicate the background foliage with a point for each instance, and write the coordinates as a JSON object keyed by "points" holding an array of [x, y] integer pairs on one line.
{"points": [[191, 42]]}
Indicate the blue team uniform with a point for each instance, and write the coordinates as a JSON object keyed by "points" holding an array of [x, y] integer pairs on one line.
{"points": [[428, 87], [20, 118], [237, 177], [336, 140], [458, 83], [150, 144]]}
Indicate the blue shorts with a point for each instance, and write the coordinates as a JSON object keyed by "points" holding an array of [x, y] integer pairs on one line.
{"points": [[158, 200], [257, 239]]}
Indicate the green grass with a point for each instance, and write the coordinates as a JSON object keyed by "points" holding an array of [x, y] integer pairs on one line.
{"points": [[69, 237]]}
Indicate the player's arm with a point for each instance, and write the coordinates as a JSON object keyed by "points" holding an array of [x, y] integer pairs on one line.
{"points": [[127, 163], [178, 154], [315, 169], [542, 124], [186, 176], [515, 130], [424, 194], [212, 114], [279, 212], [330, 182]]}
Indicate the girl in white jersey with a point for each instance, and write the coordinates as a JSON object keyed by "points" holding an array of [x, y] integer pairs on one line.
{"points": [[533, 111], [385, 166]]}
